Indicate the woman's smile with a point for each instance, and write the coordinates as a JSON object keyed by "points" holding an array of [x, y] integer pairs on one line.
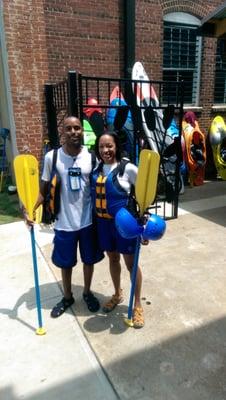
{"points": [[107, 149]]}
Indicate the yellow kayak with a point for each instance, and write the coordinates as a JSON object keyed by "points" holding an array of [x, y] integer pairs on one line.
{"points": [[217, 136]]}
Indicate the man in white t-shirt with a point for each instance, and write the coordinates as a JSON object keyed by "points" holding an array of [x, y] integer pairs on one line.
{"points": [[73, 225]]}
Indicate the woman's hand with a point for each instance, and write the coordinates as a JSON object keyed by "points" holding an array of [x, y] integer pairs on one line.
{"points": [[144, 242]]}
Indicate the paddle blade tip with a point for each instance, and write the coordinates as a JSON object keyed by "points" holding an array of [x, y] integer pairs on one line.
{"points": [[40, 331], [129, 322]]}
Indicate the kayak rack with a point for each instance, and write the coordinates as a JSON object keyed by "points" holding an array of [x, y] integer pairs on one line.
{"points": [[72, 97]]}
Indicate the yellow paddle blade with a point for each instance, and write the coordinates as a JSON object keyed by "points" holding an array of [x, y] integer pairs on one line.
{"points": [[38, 214], [27, 181], [147, 178], [40, 331]]}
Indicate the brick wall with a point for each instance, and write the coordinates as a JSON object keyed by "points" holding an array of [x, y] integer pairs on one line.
{"points": [[149, 30], [28, 68], [86, 36], [46, 38]]}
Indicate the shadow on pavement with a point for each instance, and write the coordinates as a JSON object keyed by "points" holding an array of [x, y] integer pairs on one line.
{"points": [[189, 366], [96, 323]]}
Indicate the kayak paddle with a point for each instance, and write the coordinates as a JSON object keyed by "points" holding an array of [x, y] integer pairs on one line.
{"points": [[145, 190], [27, 182]]}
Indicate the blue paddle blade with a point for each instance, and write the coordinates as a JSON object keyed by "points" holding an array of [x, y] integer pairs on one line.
{"points": [[121, 117], [149, 115], [97, 123], [168, 115]]}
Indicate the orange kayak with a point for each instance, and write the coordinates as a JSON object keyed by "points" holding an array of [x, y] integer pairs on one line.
{"points": [[195, 150]]}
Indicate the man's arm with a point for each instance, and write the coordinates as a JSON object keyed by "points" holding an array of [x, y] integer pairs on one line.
{"points": [[43, 191], [40, 200]]}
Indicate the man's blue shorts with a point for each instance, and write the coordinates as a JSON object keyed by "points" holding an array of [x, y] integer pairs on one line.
{"points": [[66, 243], [111, 240]]}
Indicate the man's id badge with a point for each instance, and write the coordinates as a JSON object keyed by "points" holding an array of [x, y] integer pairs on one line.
{"points": [[74, 178]]}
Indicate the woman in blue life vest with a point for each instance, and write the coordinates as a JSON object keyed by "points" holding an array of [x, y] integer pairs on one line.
{"points": [[111, 184]]}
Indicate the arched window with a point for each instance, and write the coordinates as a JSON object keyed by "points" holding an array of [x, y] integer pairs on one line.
{"points": [[182, 53]]}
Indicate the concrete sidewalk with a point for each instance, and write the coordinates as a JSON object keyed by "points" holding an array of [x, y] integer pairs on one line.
{"points": [[59, 365], [179, 354], [181, 351]]}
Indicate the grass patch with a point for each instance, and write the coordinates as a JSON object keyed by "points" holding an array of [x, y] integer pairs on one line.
{"points": [[9, 208]]}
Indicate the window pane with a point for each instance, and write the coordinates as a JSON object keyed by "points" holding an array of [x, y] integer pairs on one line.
{"points": [[220, 75], [184, 35], [167, 34], [175, 35], [192, 35], [169, 95], [187, 76]]}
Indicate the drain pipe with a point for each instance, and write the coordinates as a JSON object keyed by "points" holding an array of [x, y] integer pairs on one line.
{"points": [[129, 34], [129, 60]]}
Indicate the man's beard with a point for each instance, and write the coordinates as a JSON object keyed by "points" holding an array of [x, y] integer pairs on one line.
{"points": [[77, 143]]}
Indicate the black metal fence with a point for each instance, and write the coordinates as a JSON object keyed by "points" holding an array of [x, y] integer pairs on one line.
{"points": [[71, 97]]}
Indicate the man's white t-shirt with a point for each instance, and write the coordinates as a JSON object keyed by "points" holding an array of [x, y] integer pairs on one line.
{"points": [[75, 206]]}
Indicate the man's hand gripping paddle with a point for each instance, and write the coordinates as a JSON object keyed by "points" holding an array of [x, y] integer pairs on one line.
{"points": [[145, 190], [27, 182]]}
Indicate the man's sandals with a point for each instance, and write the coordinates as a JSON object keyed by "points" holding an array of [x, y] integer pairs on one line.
{"points": [[61, 307], [90, 300]]}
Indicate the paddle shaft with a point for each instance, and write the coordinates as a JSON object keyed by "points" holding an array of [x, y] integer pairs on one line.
{"points": [[37, 291], [26, 173], [134, 277], [149, 166]]}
